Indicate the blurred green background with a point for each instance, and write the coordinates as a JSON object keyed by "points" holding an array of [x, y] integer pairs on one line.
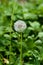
{"points": [[30, 11]]}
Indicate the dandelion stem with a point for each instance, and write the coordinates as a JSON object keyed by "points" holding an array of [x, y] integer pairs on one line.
{"points": [[21, 51]]}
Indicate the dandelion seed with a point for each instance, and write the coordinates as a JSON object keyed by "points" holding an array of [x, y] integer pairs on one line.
{"points": [[20, 26]]}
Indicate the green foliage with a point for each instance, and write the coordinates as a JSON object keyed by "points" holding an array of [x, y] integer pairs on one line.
{"points": [[32, 13]]}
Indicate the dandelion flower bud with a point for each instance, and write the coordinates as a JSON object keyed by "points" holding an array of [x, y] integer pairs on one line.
{"points": [[20, 26], [6, 61]]}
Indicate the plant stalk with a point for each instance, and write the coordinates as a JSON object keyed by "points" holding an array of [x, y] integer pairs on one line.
{"points": [[21, 51]]}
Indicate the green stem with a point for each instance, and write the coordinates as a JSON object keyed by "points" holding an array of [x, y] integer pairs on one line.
{"points": [[21, 51], [10, 47]]}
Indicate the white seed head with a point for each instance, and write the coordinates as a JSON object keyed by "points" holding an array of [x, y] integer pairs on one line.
{"points": [[20, 26]]}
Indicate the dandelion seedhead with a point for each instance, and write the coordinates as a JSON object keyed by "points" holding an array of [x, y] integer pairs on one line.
{"points": [[20, 26]]}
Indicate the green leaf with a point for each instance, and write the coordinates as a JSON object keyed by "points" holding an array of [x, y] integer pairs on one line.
{"points": [[35, 25], [40, 34], [29, 16]]}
